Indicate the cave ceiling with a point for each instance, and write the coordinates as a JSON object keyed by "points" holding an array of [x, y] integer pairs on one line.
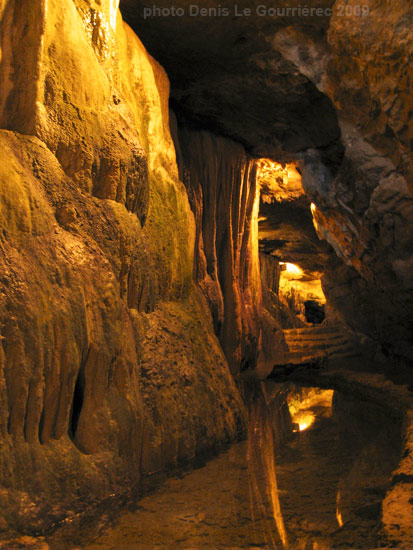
{"points": [[234, 75]]}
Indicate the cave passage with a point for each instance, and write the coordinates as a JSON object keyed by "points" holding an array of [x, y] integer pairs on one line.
{"points": [[290, 248], [219, 208], [312, 474]]}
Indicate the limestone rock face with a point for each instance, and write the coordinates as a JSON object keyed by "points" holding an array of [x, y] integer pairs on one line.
{"points": [[366, 215], [370, 76], [365, 209], [106, 345], [224, 185], [222, 188]]}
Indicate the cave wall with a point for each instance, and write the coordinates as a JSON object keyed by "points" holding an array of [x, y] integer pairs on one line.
{"points": [[237, 281], [109, 367], [364, 200], [221, 180], [365, 207], [365, 211]]}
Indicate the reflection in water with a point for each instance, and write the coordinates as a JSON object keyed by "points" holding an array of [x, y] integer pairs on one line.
{"points": [[261, 460], [315, 489], [275, 412], [326, 480], [338, 512], [305, 403]]}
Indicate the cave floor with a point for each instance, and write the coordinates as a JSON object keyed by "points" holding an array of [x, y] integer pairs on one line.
{"points": [[328, 485], [208, 508]]}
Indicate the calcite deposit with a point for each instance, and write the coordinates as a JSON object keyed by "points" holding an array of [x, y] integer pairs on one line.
{"points": [[222, 186], [144, 213], [106, 343]]}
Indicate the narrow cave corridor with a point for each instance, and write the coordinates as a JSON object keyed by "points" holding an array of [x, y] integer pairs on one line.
{"points": [[206, 275]]}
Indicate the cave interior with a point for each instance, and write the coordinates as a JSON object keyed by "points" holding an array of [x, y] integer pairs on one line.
{"points": [[206, 275]]}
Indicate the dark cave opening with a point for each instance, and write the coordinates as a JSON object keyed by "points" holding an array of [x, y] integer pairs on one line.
{"points": [[77, 404], [314, 312]]}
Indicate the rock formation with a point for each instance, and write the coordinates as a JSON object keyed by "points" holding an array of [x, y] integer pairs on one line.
{"points": [[221, 180], [131, 279], [330, 90], [110, 369]]}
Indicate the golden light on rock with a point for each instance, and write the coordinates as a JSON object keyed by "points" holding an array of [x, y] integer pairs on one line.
{"points": [[314, 213], [279, 182], [291, 268], [296, 282], [338, 513], [114, 13], [304, 420]]}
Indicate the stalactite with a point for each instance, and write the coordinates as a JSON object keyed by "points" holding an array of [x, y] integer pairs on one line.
{"points": [[224, 196]]}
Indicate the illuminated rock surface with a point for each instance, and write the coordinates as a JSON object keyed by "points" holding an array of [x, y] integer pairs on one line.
{"points": [[333, 93], [224, 194], [140, 250], [109, 366]]}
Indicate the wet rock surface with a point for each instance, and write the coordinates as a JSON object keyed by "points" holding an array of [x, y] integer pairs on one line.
{"points": [[322, 486], [103, 333], [221, 181]]}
